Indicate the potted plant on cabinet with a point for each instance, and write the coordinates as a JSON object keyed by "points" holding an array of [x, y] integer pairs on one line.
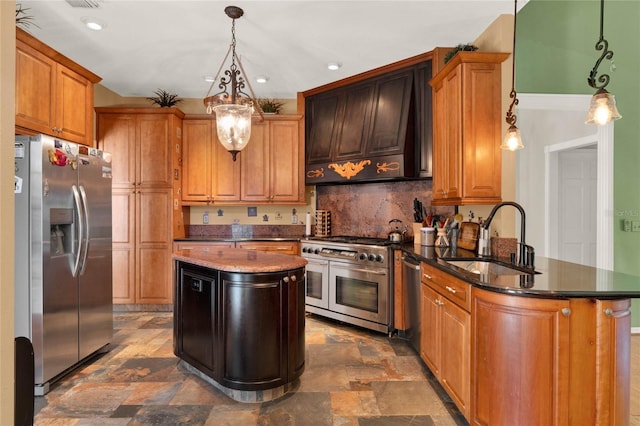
{"points": [[270, 106], [165, 99]]}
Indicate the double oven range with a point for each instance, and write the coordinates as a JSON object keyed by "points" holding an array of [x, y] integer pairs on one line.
{"points": [[349, 279]]}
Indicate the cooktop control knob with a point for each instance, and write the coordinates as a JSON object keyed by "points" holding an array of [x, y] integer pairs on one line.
{"points": [[379, 258], [304, 249], [316, 251], [362, 256], [372, 257]]}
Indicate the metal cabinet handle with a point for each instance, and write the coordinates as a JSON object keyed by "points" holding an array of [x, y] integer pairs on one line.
{"points": [[427, 276], [450, 289], [566, 312], [293, 278], [285, 279]]}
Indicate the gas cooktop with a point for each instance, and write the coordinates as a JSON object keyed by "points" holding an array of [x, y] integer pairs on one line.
{"points": [[351, 239]]}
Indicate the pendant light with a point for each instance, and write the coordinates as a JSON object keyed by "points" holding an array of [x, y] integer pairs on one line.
{"points": [[512, 140], [602, 109], [232, 106]]}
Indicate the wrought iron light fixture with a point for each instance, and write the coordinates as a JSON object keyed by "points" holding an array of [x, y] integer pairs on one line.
{"points": [[232, 106], [602, 109], [512, 140]]}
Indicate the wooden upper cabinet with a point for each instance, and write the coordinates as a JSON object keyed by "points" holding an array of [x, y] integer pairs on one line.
{"points": [[467, 115], [270, 163], [54, 95], [268, 170], [209, 172]]}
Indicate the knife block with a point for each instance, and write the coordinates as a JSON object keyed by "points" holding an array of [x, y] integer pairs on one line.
{"points": [[416, 233]]}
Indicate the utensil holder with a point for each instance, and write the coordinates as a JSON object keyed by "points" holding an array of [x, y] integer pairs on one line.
{"points": [[442, 240], [323, 223]]}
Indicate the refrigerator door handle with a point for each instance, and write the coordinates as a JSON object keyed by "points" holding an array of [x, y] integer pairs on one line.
{"points": [[85, 225], [77, 204]]}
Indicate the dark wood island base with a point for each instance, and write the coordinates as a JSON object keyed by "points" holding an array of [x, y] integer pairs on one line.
{"points": [[239, 320]]}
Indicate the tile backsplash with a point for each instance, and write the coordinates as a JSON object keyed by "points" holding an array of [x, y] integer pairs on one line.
{"points": [[366, 209]]}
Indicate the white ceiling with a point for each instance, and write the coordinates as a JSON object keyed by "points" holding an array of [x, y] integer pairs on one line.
{"points": [[172, 45]]}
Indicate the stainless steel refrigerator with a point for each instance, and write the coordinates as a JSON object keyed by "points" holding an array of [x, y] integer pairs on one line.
{"points": [[63, 277]]}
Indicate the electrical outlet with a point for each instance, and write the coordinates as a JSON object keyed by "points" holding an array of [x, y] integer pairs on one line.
{"points": [[635, 226], [294, 219], [205, 218], [626, 225]]}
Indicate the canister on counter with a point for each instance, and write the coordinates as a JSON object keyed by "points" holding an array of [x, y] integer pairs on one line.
{"points": [[427, 236]]}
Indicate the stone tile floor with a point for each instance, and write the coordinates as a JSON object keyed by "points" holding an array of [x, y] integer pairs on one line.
{"points": [[352, 377]]}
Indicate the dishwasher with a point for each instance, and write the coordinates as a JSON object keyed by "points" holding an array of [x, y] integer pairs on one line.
{"points": [[412, 298]]}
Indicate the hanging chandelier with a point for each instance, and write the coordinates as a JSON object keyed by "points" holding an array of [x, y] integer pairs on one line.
{"points": [[512, 140], [602, 109], [232, 106]]}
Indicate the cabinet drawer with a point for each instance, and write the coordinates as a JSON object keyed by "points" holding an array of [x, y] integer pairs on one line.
{"points": [[202, 245], [458, 291], [283, 247]]}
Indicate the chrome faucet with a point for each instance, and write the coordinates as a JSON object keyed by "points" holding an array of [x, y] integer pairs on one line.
{"points": [[527, 252]]}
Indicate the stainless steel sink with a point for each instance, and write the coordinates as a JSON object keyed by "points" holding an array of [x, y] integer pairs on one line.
{"points": [[486, 267]]}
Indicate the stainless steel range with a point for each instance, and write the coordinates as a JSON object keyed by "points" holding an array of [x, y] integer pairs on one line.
{"points": [[349, 279]]}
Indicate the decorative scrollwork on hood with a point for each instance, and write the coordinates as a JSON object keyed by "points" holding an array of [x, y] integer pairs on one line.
{"points": [[349, 169]]}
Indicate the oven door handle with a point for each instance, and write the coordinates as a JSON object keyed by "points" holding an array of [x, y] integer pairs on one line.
{"points": [[369, 271]]}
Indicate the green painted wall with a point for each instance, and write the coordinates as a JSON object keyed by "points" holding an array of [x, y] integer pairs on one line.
{"points": [[555, 51]]}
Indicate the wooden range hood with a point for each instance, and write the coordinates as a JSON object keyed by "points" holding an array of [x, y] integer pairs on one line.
{"points": [[375, 126]]}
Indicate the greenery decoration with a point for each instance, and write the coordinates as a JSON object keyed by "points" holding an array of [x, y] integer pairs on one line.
{"points": [[164, 98], [468, 47], [22, 19], [270, 105]]}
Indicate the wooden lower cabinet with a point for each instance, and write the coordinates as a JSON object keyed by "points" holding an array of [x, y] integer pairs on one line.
{"points": [[202, 245], [445, 339], [142, 246], [539, 361]]}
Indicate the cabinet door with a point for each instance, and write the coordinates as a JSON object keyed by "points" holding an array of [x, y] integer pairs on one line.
{"points": [[455, 365], [254, 161], [430, 351], [123, 244], [154, 245], [322, 112], [116, 135], [35, 88], [264, 361], [154, 148], [353, 128], [284, 150], [481, 127], [390, 113], [519, 343], [448, 138], [74, 106], [225, 173], [197, 160]]}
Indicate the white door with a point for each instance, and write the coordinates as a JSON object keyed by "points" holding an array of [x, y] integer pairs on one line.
{"points": [[577, 185]]}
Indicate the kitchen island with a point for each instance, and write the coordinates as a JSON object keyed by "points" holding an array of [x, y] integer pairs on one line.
{"points": [[239, 320], [547, 348]]}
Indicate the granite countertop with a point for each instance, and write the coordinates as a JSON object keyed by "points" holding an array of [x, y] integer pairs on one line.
{"points": [[240, 260], [555, 278]]}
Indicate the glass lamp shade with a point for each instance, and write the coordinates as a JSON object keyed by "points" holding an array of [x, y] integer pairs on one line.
{"points": [[602, 109], [512, 140], [234, 126]]}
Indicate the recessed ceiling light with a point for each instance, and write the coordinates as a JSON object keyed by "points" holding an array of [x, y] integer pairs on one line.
{"points": [[94, 24], [262, 79], [334, 65]]}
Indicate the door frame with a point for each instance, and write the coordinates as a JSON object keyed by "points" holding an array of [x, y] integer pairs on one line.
{"points": [[603, 137]]}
